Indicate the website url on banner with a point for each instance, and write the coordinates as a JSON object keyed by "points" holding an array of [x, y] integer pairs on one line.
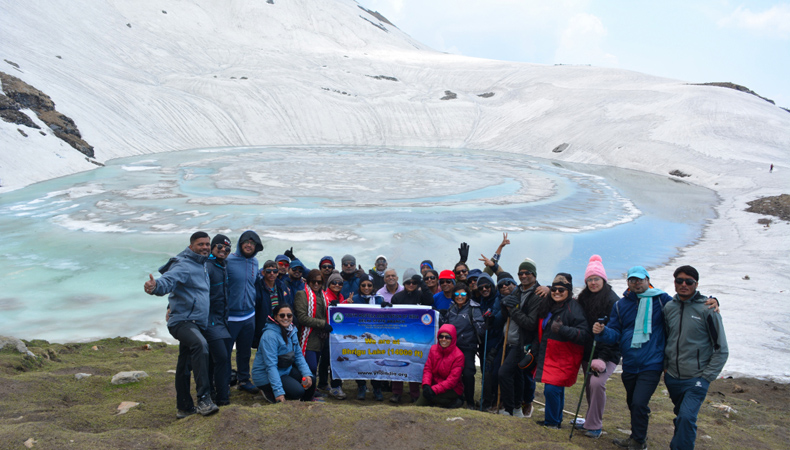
{"points": [[391, 374]]}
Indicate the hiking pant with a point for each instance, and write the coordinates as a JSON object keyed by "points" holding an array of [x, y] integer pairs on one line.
{"points": [[639, 387], [511, 381], [468, 376], [219, 370], [292, 385], [596, 396], [555, 403], [687, 396], [446, 399], [414, 389], [242, 334], [192, 353]]}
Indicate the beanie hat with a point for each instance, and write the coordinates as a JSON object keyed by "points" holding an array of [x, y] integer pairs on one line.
{"points": [[220, 239], [564, 280], [595, 268], [447, 275], [348, 259], [334, 277], [427, 262], [408, 273], [503, 277], [528, 264]]}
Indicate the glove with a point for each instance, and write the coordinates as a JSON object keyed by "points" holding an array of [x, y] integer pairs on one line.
{"points": [[333, 303], [290, 254], [386, 305], [598, 366], [428, 393], [556, 325], [463, 251], [488, 318], [416, 278], [511, 301], [328, 328]]}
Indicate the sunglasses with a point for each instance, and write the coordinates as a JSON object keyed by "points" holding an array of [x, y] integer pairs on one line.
{"points": [[297, 269], [327, 266], [445, 337], [445, 281], [525, 273], [366, 285], [283, 264], [223, 247], [688, 281], [462, 271], [271, 271], [285, 316], [561, 290], [409, 282], [335, 283], [316, 281], [486, 287], [431, 278], [507, 283], [348, 264], [460, 294]]}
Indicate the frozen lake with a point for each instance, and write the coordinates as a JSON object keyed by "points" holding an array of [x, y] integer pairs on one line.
{"points": [[78, 249]]}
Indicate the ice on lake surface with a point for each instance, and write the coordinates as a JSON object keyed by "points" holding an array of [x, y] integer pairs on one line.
{"points": [[78, 248]]}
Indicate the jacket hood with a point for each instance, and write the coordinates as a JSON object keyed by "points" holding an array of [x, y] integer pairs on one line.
{"points": [[326, 258], [249, 234], [449, 329]]}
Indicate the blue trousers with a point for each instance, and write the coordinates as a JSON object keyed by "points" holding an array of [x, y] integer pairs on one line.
{"points": [[242, 333], [555, 402], [639, 387], [687, 396]]}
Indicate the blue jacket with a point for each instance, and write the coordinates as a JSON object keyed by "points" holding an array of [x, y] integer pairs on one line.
{"points": [[185, 278], [242, 274], [263, 305], [620, 329], [264, 367], [440, 301], [492, 303], [350, 284], [218, 300]]}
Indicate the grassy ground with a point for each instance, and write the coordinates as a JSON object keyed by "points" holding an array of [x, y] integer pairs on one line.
{"points": [[41, 399]]}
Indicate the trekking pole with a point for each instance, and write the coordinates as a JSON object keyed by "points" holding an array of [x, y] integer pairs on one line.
{"points": [[584, 384], [483, 365], [504, 347]]}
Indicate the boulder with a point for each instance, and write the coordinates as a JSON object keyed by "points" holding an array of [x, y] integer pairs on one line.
{"points": [[128, 377], [80, 376], [20, 346]]}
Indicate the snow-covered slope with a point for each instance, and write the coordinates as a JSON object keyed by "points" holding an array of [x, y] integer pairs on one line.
{"points": [[152, 76]]}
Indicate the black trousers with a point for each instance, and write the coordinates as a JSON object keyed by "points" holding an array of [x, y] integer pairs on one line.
{"points": [[511, 380], [192, 353], [468, 375], [639, 387]]}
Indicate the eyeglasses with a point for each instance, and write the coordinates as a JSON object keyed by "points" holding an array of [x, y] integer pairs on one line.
{"points": [[249, 242], [223, 247], [283, 264], [462, 271], [335, 283], [688, 281], [634, 280], [430, 278], [445, 337], [460, 294], [523, 273], [409, 282], [561, 290], [271, 270], [327, 266], [445, 281], [285, 316]]}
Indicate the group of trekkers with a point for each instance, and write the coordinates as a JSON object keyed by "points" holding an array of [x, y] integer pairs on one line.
{"points": [[520, 331]]}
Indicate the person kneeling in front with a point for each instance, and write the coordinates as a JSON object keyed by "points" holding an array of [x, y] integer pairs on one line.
{"points": [[441, 378]]}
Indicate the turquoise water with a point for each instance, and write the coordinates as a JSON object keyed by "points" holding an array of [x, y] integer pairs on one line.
{"points": [[78, 249]]}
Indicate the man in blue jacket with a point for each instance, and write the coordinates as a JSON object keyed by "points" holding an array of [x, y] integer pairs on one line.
{"points": [[185, 278], [242, 276]]}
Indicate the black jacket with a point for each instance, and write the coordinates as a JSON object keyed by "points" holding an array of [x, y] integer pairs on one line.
{"points": [[218, 300]]}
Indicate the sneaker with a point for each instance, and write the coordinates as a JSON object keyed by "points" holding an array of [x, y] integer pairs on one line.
{"points": [[183, 413], [378, 395], [503, 412], [248, 387], [323, 387], [206, 407], [361, 391], [630, 444], [268, 398], [517, 412], [595, 434], [337, 393], [543, 423], [317, 394], [526, 410], [395, 398]]}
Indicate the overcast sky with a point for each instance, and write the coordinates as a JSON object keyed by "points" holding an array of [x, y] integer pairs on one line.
{"points": [[746, 42]]}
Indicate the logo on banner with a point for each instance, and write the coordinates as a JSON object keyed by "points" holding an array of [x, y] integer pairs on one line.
{"points": [[337, 317], [427, 319]]}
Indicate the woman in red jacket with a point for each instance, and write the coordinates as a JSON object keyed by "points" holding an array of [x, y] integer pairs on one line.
{"points": [[441, 378], [562, 333]]}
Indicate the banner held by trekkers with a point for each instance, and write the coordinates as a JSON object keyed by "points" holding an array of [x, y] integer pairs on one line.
{"points": [[373, 343]]}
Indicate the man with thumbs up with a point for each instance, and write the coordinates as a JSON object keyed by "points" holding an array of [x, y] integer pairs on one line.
{"points": [[185, 278]]}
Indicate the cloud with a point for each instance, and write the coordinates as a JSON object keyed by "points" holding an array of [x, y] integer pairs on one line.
{"points": [[581, 42], [774, 22]]}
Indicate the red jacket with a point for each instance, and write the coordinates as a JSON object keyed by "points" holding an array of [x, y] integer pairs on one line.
{"points": [[444, 365], [560, 354]]}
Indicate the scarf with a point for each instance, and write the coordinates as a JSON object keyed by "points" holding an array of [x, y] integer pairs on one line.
{"points": [[643, 326], [304, 332]]}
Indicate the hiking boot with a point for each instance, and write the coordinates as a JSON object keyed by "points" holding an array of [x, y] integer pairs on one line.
{"points": [[543, 423], [526, 410], [248, 387], [395, 398], [378, 395], [595, 434], [337, 393], [458, 403], [630, 444], [361, 391], [206, 407], [183, 413]]}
